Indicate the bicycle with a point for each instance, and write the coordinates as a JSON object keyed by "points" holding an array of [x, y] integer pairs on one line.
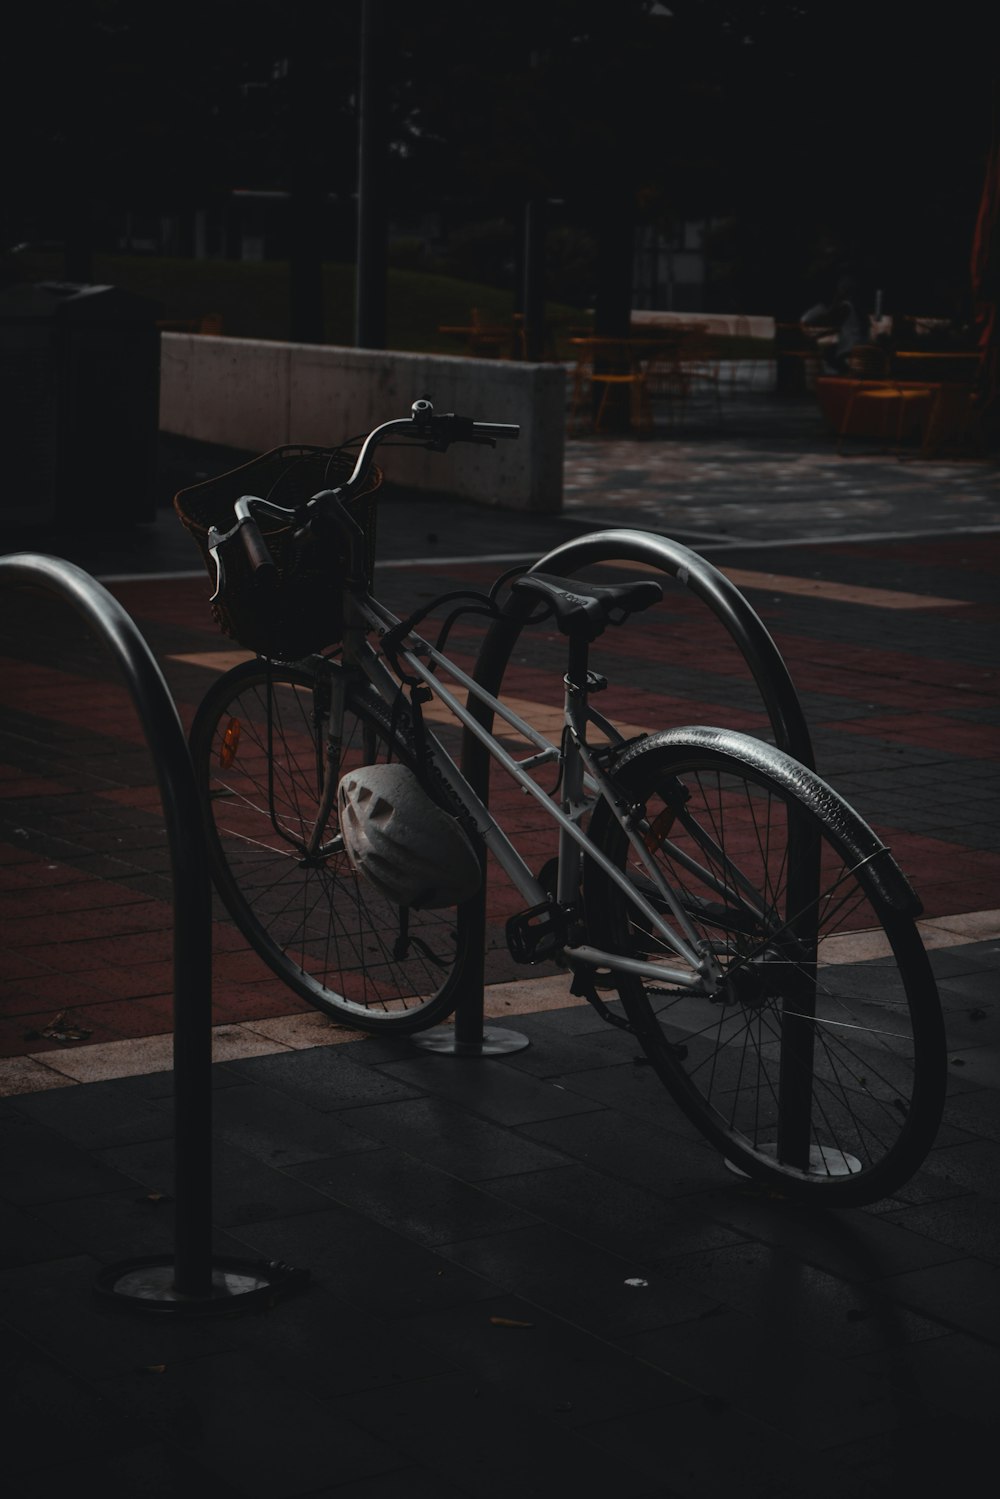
{"points": [[710, 895]]}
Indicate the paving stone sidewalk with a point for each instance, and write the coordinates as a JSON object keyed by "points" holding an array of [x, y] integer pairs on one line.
{"points": [[768, 471], [475, 1229]]}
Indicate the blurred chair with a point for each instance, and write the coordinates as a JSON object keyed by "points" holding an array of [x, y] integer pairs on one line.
{"points": [[489, 340], [610, 364], [957, 421], [496, 340], [699, 369], [894, 410]]}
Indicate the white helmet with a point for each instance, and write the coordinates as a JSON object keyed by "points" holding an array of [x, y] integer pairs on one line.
{"points": [[407, 847]]}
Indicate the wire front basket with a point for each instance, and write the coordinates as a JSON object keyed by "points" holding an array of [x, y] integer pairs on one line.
{"points": [[301, 612]]}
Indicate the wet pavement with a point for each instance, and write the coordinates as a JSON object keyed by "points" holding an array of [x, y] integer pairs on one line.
{"points": [[524, 1271]]}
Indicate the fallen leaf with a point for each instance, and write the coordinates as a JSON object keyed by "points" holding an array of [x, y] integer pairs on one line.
{"points": [[58, 1030], [509, 1322]]}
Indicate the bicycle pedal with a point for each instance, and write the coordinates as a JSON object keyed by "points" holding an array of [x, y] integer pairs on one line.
{"points": [[536, 935]]}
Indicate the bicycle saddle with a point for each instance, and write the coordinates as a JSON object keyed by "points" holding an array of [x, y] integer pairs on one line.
{"points": [[584, 610]]}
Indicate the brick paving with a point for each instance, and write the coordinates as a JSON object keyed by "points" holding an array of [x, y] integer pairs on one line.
{"points": [[786, 1351]]}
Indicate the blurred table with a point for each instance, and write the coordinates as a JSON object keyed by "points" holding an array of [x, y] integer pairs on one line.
{"points": [[492, 340], [936, 364]]}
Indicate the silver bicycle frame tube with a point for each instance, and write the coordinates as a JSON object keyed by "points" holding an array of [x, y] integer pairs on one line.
{"points": [[526, 730], [360, 651]]}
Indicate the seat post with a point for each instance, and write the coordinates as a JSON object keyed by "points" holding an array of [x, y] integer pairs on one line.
{"points": [[577, 664]]}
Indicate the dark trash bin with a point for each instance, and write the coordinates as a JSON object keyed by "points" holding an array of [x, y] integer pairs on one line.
{"points": [[79, 405]]}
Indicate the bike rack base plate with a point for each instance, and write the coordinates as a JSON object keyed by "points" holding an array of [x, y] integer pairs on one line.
{"points": [[824, 1161], [146, 1284], [496, 1041]]}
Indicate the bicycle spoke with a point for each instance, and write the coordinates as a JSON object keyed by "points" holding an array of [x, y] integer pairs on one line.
{"points": [[789, 1024], [318, 924]]}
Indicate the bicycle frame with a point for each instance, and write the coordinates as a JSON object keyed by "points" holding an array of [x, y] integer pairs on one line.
{"points": [[580, 774], [580, 771], [770, 1007]]}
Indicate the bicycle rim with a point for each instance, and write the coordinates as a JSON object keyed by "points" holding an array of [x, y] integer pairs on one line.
{"points": [[818, 1066], [258, 751]]}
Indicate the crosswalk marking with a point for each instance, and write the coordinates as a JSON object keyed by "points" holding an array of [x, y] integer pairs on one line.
{"points": [[546, 718], [59, 1069], [815, 588]]}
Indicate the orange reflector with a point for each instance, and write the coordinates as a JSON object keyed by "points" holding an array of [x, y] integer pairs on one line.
{"points": [[659, 830], [230, 744]]}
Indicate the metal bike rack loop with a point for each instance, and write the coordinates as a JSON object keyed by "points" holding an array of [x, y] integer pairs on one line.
{"points": [[724, 599], [468, 1036], [192, 1280]]}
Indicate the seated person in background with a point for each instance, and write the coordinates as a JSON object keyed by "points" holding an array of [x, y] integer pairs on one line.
{"points": [[838, 324]]}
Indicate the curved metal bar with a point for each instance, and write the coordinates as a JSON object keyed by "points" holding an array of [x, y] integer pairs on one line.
{"points": [[709, 584], [727, 604], [192, 1280], [192, 897]]}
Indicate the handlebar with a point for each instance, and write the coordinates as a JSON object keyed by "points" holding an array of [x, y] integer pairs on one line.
{"points": [[441, 431], [435, 433], [258, 555]]}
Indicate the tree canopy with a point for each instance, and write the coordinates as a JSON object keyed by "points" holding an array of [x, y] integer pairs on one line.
{"points": [[805, 133]]}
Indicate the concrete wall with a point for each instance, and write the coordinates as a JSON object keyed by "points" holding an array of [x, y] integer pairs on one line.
{"points": [[256, 394]]}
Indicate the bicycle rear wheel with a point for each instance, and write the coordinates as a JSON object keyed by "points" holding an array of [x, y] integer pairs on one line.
{"points": [[258, 747], [818, 1066]]}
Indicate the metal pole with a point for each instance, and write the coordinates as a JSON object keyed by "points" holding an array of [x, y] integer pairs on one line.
{"points": [[469, 1037], [191, 1280], [307, 179], [533, 294], [372, 250]]}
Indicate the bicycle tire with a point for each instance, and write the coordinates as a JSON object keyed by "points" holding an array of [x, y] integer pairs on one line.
{"points": [[319, 926], [820, 1069]]}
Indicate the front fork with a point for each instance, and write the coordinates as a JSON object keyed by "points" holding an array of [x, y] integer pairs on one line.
{"points": [[329, 697]]}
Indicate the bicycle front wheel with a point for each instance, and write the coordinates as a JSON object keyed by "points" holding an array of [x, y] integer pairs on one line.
{"points": [[816, 1060], [258, 744]]}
